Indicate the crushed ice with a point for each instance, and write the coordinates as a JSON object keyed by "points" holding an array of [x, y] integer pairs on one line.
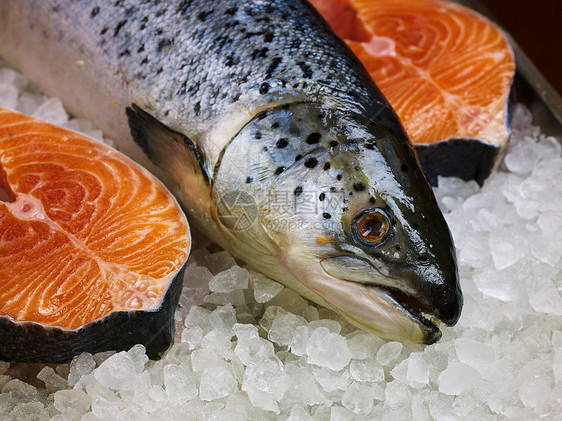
{"points": [[251, 349]]}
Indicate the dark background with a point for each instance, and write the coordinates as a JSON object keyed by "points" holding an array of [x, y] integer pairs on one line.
{"points": [[536, 25]]}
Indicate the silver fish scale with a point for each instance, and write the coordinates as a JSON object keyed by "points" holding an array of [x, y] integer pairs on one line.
{"points": [[201, 59]]}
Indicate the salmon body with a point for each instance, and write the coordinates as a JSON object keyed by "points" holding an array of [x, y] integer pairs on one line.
{"points": [[270, 133]]}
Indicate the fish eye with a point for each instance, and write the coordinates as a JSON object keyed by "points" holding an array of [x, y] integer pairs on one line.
{"points": [[371, 227]]}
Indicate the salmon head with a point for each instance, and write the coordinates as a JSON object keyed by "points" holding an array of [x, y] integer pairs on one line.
{"points": [[335, 206]]}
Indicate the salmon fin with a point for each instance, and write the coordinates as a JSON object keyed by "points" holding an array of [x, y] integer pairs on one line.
{"points": [[174, 152]]}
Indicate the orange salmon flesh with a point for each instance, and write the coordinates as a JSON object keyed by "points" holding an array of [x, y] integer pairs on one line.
{"points": [[84, 231], [446, 70]]}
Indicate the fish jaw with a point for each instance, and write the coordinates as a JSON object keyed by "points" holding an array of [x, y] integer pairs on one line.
{"points": [[398, 302], [426, 294], [366, 306], [406, 300]]}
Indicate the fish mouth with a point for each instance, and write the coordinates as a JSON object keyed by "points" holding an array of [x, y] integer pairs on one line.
{"points": [[415, 309], [394, 313]]}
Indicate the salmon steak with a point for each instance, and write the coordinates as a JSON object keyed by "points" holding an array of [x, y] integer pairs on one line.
{"points": [[446, 70], [92, 246]]}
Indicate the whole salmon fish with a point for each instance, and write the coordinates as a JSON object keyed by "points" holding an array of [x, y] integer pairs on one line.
{"points": [[270, 133]]}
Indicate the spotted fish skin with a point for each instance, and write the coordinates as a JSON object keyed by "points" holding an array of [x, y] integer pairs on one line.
{"points": [[194, 61], [252, 111]]}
